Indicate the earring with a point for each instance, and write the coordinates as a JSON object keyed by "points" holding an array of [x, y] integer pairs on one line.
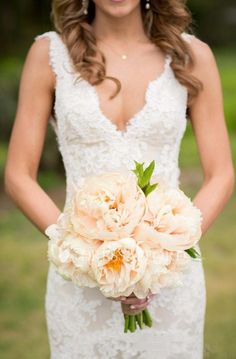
{"points": [[85, 4], [147, 5]]}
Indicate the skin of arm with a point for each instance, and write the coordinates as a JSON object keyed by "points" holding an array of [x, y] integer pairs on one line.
{"points": [[208, 123], [34, 108]]}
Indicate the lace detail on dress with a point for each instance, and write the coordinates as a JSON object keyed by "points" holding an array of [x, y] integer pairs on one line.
{"points": [[86, 137], [82, 323]]}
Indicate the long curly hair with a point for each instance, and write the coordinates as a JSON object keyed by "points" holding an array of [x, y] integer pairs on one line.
{"points": [[164, 23]]}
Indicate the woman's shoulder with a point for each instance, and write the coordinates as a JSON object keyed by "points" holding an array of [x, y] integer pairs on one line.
{"points": [[202, 52], [196, 44], [50, 35], [46, 40], [50, 48], [39, 51], [40, 45], [37, 63]]}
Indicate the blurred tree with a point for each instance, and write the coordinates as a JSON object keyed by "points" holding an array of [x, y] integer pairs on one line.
{"points": [[215, 21], [20, 20]]}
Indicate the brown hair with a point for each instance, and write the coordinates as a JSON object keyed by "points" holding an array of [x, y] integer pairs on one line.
{"points": [[164, 23]]}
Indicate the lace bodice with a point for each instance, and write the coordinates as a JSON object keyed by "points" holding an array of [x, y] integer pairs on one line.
{"points": [[90, 143]]}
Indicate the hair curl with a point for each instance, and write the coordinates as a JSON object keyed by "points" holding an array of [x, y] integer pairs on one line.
{"points": [[164, 23]]}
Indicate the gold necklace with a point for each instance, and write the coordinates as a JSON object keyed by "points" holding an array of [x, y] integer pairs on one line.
{"points": [[123, 56]]}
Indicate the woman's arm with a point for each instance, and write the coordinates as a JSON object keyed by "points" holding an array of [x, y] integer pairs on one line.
{"points": [[208, 122], [27, 139]]}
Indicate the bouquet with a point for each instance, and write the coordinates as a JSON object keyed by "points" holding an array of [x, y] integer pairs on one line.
{"points": [[125, 235]]}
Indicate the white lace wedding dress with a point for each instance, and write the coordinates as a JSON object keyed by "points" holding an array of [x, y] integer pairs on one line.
{"points": [[82, 324]]}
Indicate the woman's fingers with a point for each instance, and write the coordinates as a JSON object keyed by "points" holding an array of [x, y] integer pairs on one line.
{"points": [[142, 305], [128, 309], [133, 300], [117, 299], [137, 307], [128, 300], [137, 301]]}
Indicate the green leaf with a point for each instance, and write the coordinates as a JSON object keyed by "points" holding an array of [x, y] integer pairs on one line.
{"points": [[149, 188], [144, 176], [193, 253], [138, 170], [147, 174]]}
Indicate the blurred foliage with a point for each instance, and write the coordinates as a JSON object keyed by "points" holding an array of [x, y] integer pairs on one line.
{"points": [[21, 20], [215, 21]]}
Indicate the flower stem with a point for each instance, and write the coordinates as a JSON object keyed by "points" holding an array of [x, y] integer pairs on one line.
{"points": [[147, 318], [132, 323], [139, 319], [126, 326]]}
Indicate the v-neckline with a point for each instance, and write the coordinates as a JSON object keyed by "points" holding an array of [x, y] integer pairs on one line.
{"points": [[132, 119]]}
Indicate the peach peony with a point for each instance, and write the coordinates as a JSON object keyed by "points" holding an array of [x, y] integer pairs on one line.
{"points": [[117, 266], [172, 221], [107, 207], [164, 269], [71, 254]]}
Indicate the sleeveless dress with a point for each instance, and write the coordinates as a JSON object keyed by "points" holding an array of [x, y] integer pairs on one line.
{"points": [[81, 322]]}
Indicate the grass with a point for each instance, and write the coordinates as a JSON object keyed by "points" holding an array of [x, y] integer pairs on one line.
{"points": [[219, 252], [23, 262], [23, 266]]}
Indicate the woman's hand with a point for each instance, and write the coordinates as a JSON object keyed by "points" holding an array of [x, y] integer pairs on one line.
{"points": [[132, 305]]}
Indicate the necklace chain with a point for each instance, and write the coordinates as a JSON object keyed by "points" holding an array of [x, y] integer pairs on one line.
{"points": [[123, 56]]}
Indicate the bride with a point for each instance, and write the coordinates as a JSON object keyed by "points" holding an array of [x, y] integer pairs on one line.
{"points": [[116, 79]]}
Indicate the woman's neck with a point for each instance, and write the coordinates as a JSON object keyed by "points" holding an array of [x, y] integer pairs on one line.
{"points": [[126, 29]]}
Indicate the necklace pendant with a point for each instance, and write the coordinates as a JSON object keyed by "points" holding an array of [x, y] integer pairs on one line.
{"points": [[124, 57]]}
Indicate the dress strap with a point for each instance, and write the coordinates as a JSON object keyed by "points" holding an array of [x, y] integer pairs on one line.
{"points": [[187, 37], [58, 54], [168, 59]]}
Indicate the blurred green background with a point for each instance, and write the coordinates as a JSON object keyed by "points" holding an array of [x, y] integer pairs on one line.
{"points": [[23, 262]]}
